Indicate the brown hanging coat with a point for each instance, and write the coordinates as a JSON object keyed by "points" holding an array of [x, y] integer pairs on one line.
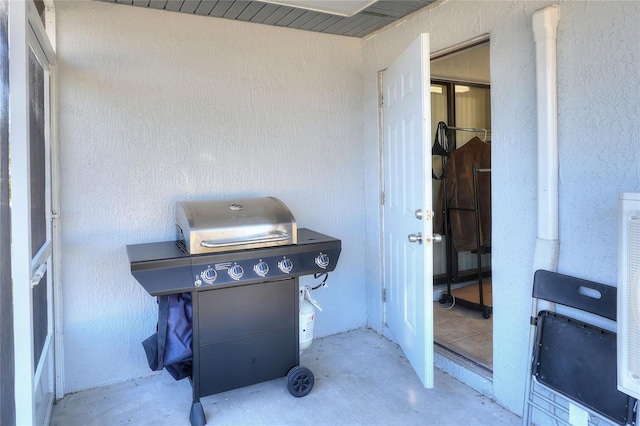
{"points": [[460, 192]]}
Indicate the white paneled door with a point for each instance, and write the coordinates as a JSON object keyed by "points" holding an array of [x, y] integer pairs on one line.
{"points": [[408, 252], [30, 59]]}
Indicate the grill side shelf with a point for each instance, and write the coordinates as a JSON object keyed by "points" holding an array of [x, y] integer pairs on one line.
{"points": [[160, 268]]}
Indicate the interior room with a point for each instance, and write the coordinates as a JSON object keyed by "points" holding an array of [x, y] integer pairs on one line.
{"points": [[461, 112], [141, 105]]}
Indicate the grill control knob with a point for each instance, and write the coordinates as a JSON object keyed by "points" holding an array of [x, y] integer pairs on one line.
{"points": [[322, 260], [285, 265], [261, 268], [236, 272], [209, 275]]}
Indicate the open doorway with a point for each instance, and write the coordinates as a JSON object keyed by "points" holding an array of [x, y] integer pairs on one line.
{"points": [[461, 134]]}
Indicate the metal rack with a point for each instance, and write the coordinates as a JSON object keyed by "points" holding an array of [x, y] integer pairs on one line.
{"points": [[448, 296], [471, 129], [445, 151]]}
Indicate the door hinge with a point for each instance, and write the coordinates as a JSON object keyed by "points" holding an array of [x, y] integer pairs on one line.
{"points": [[382, 198], [384, 295]]}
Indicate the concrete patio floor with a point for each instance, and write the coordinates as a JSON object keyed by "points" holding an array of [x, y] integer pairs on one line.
{"points": [[361, 378]]}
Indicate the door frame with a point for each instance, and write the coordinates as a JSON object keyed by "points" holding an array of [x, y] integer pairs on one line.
{"points": [[27, 32]]}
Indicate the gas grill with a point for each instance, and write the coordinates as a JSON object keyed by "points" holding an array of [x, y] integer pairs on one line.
{"points": [[240, 260]]}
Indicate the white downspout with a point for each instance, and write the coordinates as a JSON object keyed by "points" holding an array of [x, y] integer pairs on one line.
{"points": [[545, 24]]}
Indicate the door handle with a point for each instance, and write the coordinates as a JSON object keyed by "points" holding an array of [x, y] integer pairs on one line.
{"points": [[415, 238], [435, 238], [38, 275]]}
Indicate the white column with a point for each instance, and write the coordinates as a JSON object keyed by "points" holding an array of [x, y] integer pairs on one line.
{"points": [[545, 24]]}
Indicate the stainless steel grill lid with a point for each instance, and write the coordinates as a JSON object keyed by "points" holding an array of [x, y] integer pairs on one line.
{"points": [[224, 225]]}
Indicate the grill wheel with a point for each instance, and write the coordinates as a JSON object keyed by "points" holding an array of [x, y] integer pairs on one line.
{"points": [[300, 381]]}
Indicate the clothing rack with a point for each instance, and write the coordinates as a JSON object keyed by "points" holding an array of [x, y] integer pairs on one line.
{"points": [[448, 296], [445, 152], [471, 129]]}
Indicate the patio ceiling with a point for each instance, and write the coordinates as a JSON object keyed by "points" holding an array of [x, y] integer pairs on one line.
{"points": [[368, 20]]}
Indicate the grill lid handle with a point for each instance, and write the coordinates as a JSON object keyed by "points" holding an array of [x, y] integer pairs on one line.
{"points": [[274, 237]]}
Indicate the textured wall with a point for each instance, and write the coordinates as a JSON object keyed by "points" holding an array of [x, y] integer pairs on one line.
{"points": [[157, 107], [143, 93], [599, 102], [599, 132]]}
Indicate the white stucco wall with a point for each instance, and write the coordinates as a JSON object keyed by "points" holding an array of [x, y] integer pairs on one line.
{"points": [[255, 110], [157, 107], [599, 102]]}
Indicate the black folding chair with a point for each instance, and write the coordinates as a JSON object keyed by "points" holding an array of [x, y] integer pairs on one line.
{"points": [[573, 370]]}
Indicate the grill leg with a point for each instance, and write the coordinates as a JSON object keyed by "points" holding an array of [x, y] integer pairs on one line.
{"points": [[197, 417]]}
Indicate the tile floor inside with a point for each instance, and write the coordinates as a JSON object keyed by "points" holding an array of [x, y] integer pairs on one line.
{"points": [[464, 330]]}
